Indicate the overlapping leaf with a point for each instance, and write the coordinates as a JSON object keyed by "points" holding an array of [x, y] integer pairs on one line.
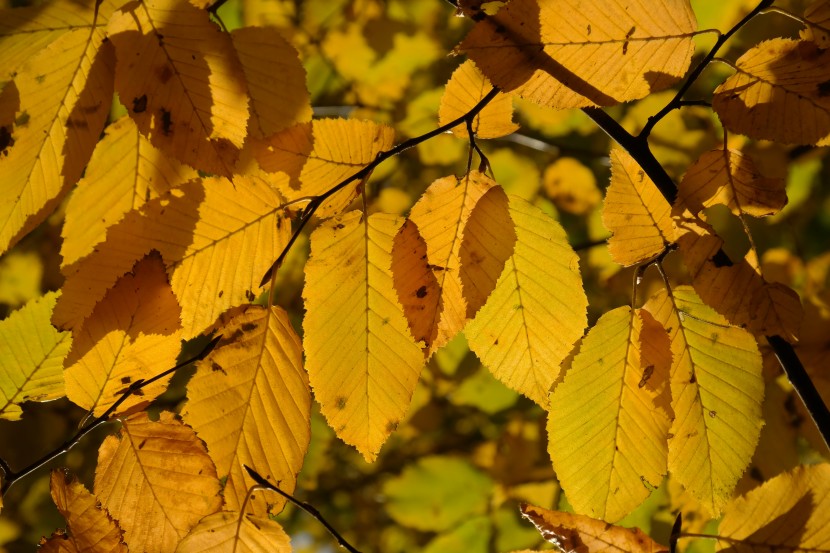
{"points": [[635, 212], [716, 390], [125, 172], [250, 402], [778, 93], [465, 89], [133, 333], [217, 238], [31, 354], [527, 327], [232, 532], [157, 481], [607, 425], [817, 16], [181, 81], [362, 361], [570, 54]]}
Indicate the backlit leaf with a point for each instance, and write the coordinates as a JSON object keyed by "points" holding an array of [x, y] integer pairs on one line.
{"points": [[231, 532], [465, 89], [181, 82], [527, 327], [636, 212], [250, 402], [21, 274], [361, 359], [716, 389], [157, 481], [778, 93], [92, 529], [31, 356], [818, 28], [133, 333], [587, 535], [569, 54], [572, 186], [606, 429]]}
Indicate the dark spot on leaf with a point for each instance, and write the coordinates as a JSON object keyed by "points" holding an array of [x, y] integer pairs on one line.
{"points": [[713, 414], [164, 73], [339, 226], [140, 104], [247, 327], [340, 402], [40, 79], [166, 122], [589, 29], [6, 139], [720, 259], [143, 442], [421, 292], [693, 379], [714, 337], [221, 293], [436, 267], [391, 426], [496, 342], [250, 295], [126, 380], [22, 120], [214, 366], [160, 38], [647, 372]]}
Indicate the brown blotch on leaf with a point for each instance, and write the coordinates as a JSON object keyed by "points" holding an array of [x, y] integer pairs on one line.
{"points": [[142, 444], [164, 73], [214, 366], [340, 402], [647, 372], [140, 104], [166, 122], [713, 414], [627, 37], [391, 426], [126, 380], [221, 293], [250, 295], [247, 327], [421, 292]]}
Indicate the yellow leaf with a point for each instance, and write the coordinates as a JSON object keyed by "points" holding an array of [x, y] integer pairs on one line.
{"points": [[817, 16], [763, 307], [572, 186], [791, 512], [578, 54], [587, 535], [133, 333], [716, 389], [181, 82], [125, 172], [232, 532], [729, 178], [276, 80], [65, 93], [465, 89], [635, 212], [608, 441], [92, 529], [250, 402], [31, 354], [362, 362], [778, 93], [21, 273], [529, 324], [217, 239], [157, 481]]}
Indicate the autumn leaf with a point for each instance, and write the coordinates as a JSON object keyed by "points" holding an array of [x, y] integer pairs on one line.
{"points": [[250, 402], [465, 89], [716, 390], [636, 212], [572, 186], [231, 532], [92, 529], [525, 329], [590, 53], [789, 512], [608, 441], [133, 333], [361, 359], [31, 354], [779, 93], [157, 480], [181, 81], [817, 16], [587, 535]]}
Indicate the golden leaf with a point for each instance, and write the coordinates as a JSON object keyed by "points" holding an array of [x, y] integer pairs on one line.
{"points": [[527, 327], [465, 89], [729, 178], [181, 82], [587, 535], [791, 512], [92, 529], [250, 402], [133, 333], [817, 16], [125, 172], [716, 389], [31, 354], [608, 441], [217, 239], [572, 186], [362, 362], [233, 532], [157, 481], [21, 275], [65, 93], [58, 542], [569, 54], [635, 212], [778, 93]]}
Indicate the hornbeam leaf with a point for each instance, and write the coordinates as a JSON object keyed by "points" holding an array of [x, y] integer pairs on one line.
{"points": [[465, 89], [817, 16], [157, 481], [716, 389], [361, 359], [233, 532], [607, 430], [250, 402], [571, 54], [527, 327]]}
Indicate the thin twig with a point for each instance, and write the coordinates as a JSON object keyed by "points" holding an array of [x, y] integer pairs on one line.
{"points": [[304, 506]]}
